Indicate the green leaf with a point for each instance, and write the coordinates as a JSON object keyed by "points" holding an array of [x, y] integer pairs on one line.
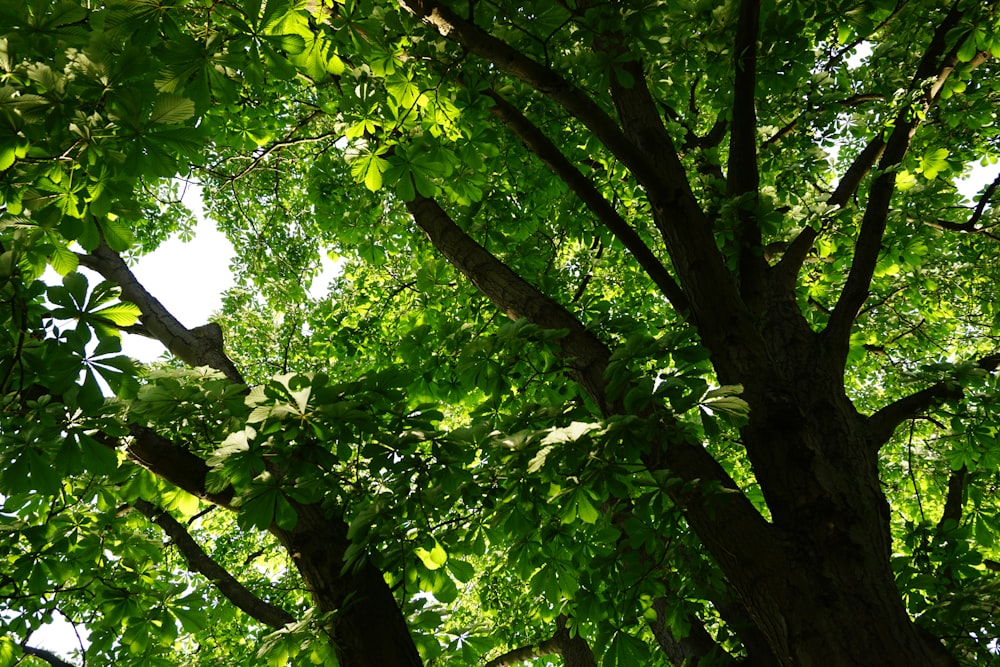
{"points": [[285, 515], [7, 156], [258, 511], [63, 260], [192, 619], [933, 162], [171, 109], [434, 558], [461, 570], [585, 509], [123, 314], [369, 168]]}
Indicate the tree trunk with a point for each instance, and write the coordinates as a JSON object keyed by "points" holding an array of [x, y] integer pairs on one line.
{"points": [[368, 628], [830, 597]]}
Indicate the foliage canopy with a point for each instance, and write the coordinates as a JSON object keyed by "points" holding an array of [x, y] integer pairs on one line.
{"points": [[662, 334]]}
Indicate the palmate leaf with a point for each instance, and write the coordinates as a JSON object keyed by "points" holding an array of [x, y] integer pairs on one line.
{"points": [[369, 168], [171, 109]]}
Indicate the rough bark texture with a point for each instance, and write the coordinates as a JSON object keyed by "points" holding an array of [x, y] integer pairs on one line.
{"points": [[368, 628]]}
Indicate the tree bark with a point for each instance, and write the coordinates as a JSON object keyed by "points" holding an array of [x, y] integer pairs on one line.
{"points": [[368, 629]]}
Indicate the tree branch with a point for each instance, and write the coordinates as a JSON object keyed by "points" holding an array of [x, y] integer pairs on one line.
{"points": [[786, 270], [863, 163], [523, 653], [588, 357], [47, 656], [955, 498], [792, 260], [689, 650], [977, 213], [853, 100], [539, 144], [540, 77], [168, 461], [200, 562], [716, 306], [287, 142], [652, 158], [574, 650], [883, 423], [742, 175], [935, 64], [201, 346], [645, 148]]}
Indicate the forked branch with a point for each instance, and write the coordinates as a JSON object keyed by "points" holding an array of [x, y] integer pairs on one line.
{"points": [[713, 503], [540, 77], [972, 224]]}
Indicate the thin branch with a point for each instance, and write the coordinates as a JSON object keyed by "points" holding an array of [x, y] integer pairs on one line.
{"points": [[200, 562], [786, 270], [983, 202], [598, 247], [912, 472], [285, 143], [970, 225], [863, 163], [546, 150], [792, 261], [847, 48], [852, 101], [201, 346]]}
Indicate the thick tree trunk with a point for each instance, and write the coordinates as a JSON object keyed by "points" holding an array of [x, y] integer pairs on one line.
{"points": [[368, 628], [831, 597]]}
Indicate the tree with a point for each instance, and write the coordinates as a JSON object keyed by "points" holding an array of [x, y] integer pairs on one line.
{"points": [[662, 334]]}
